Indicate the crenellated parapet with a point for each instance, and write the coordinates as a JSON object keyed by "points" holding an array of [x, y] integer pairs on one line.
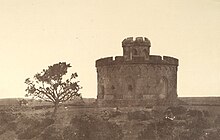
{"points": [[153, 59], [138, 41]]}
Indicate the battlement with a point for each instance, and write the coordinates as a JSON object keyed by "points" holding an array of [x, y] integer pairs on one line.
{"points": [[154, 59], [171, 60], [138, 41]]}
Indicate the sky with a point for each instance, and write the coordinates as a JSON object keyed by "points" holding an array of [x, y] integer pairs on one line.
{"points": [[37, 33]]}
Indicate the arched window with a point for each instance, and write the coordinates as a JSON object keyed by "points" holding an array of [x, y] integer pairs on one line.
{"points": [[134, 52], [129, 87], [163, 87]]}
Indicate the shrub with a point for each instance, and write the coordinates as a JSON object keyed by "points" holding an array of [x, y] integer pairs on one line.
{"points": [[157, 130], [177, 110], [11, 126], [114, 114], [198, 123], [217, 120], [148, 133], [33, 129], [2, 130], [213, 135], [52, 132], [194, 113], [106, 115], [46, 122], [71, 133], [139, 115], [6, 117], [195, 128], [48, 113], [206, 113], [7, 121], [86, 127]]}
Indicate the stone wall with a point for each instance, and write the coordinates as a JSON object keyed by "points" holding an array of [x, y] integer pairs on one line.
{"points": [[137, 81]]}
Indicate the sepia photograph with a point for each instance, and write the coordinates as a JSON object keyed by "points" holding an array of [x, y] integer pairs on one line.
{"points": [[110, 70]]}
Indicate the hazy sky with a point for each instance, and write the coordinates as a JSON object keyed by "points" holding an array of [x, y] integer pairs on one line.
{"points": [[38, 33]]}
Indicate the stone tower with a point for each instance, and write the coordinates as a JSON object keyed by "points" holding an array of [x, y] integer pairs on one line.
{"points": [[136, 78]]}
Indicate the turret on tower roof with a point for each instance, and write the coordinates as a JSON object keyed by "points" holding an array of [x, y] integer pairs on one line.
{"points": [[138, 47], [138, 41]]}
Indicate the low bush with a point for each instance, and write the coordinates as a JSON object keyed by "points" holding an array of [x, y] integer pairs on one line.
{"points": [[139, 115], [86, 127], [192, 128], [33, 129], [7, 121], [52, 132], [217, 120], [148, 133], [177, 110], [158, 130], [212, 135], [106, 115], [206, 113], [194, 113], [6, 117]]}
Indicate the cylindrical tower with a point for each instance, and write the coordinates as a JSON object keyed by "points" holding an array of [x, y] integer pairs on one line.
{"points": [[136, 78]]}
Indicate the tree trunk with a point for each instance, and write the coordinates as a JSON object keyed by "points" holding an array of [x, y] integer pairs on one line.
{"points": [[55, 109]]}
